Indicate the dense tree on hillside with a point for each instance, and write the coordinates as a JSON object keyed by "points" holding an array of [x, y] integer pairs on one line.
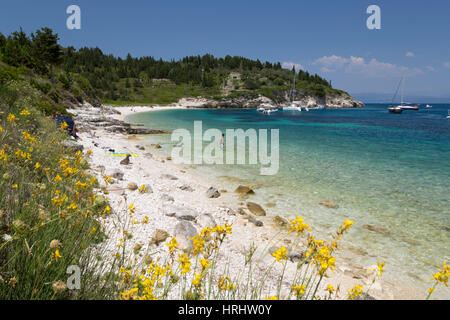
{"points": [[114, 78], [46, 48]]}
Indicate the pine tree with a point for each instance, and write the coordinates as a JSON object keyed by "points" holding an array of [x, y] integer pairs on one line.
{"points": [[46, 47]]}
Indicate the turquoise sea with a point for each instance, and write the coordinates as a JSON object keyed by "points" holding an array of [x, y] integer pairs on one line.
{"points": [[385, 170]]}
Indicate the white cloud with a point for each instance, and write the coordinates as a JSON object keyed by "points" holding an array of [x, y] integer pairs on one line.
{"points": [[289, 65], [447, 64], [430, 68], [358, 65], [410, 54]]}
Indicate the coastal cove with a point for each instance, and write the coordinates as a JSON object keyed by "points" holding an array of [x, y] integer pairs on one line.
{"points": [[377, 169]]}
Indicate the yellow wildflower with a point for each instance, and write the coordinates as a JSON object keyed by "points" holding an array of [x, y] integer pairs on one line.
{"points": [[280, 254], [24, 112], [56, 255], [355, 292], [185, 265], [299, 290], [204, 263], [298, 225], [172, 244], [57, 178], [330, 289], [3, 155], [11, 118]]}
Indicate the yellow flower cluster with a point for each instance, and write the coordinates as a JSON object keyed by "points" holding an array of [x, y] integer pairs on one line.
{"points": [[280, 254], [29, 138], [298, 225], [11, 118], [3, 156], [173, 245], [225, 284], [185, 263], [217, 234], [442, 275], [144, 284], [355, 292], [23, 155]]}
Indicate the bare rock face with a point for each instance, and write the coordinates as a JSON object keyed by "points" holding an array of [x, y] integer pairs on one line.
{"points": [[158, 237], [184, 231], [256, 209], [212, 193]]}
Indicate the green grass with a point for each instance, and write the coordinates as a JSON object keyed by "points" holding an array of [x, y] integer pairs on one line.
{"points": [[40, 214]]}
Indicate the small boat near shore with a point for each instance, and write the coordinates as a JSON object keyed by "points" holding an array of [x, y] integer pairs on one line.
{"points": [[395, 109], [267, 109], [448, 117], [403, 106]]}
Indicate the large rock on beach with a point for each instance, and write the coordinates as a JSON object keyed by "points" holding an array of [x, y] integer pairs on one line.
{"points": [[187, 188], [132, 186], [212, 193], [181, 213], [244, 190], [184, 231], [69, 144], [206, 220], [256, 209], [158, 237]]}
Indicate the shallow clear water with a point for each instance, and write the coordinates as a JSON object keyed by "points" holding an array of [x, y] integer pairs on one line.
{"points": [[386, 170]]}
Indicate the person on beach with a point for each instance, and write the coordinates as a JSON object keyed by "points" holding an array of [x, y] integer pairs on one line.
{"points": [[221, 141], [69, 124]]}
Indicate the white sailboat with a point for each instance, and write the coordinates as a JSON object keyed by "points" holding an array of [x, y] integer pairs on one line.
{"points": [[293, 106], [448, 117], [428, 106], [403, 105]]}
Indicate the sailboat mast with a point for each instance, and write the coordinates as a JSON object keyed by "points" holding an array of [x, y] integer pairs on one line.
{"points": [[293, 89], [403, 89]]}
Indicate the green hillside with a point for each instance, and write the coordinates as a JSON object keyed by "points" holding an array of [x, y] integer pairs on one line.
{"points": [[72, 76]]}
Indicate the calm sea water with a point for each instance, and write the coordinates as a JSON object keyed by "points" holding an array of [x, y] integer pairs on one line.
{"points": [[386, 170]]}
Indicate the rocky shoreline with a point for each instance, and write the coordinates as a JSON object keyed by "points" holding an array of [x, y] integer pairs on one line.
{"points": [[179, 202], [330, 101]]}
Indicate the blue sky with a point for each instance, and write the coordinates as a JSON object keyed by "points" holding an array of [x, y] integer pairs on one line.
{"points": [[329, 37]]}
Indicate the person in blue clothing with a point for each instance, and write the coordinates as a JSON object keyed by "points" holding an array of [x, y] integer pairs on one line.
{"points": [[71, 127]]}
